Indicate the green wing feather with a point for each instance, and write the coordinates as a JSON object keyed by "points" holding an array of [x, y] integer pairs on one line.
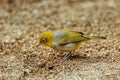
{"points": [[72, 37], [76, 37]]}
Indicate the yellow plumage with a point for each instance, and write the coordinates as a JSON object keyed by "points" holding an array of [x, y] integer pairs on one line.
{"points": [[64, 40], [46, 38]]}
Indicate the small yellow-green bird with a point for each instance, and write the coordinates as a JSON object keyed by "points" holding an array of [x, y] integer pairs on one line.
{"points": [[64, 40]]}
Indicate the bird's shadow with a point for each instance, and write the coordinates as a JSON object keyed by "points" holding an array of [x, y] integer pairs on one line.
{"points": [[89, 59], [83, 56], [79, 57]]}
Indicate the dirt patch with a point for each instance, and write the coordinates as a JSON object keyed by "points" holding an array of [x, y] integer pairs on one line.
{"points": [[21, 22]]}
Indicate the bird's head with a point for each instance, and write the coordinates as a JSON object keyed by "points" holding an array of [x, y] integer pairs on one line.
{"points": [[46, 38]]}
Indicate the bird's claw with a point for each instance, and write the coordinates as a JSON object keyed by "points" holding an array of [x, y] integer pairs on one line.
{"points": [[67, 56]]}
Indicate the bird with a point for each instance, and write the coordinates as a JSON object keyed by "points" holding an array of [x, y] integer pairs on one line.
{"points": [[65, 40]]}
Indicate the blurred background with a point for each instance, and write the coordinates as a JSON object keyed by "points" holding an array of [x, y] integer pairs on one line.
{"points": [[21, 17], [22, 21]]}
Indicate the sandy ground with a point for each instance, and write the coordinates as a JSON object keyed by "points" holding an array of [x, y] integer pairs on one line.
{"points": [[21, 22]]}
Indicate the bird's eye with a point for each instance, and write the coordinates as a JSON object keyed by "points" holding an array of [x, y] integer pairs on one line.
{"points": [[44, 40]]}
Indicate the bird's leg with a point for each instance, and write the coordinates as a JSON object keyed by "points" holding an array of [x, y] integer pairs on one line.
{"points": [[67, 56]]}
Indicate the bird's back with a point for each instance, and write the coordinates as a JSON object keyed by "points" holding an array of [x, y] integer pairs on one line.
{"points": [[59, 34]]}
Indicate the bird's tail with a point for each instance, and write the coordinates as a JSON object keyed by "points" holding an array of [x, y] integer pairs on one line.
{"points": [[94, 37]]}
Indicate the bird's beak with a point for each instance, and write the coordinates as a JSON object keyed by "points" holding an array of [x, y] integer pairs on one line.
{"points": [[38, 45]]}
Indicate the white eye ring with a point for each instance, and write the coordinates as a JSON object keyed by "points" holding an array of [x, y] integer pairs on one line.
{"points": [[44, 40]]}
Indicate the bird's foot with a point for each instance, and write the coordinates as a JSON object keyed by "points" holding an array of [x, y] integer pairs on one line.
{"points": [[67, 56]]}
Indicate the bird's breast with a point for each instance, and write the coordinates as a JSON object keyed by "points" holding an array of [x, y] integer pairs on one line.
{"points": [[67, 47]]}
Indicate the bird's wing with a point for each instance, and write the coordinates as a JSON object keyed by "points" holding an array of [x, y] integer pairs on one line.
{"points": [[72, 37]]}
